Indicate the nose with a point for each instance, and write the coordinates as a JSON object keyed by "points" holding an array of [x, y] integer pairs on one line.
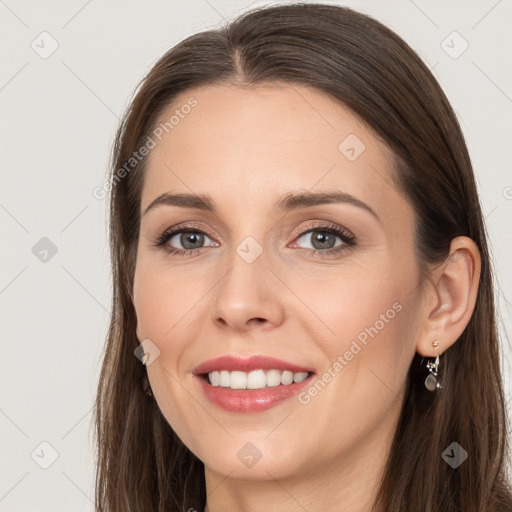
{"points": [[248, 296]]}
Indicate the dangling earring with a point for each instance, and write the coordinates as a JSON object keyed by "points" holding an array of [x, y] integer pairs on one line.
{"points": [[145, 385], [431, 382]]}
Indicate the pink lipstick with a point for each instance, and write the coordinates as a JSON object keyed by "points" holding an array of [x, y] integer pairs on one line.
{"points": [[251, 384]]}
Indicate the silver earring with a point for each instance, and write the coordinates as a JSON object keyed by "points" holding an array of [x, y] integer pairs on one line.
{"points": [[431, 382]]}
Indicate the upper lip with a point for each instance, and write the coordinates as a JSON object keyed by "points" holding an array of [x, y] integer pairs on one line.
{"points": [[247, 364]]}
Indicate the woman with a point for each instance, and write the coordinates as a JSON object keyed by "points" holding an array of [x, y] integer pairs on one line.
{"points": [[301, 270]]}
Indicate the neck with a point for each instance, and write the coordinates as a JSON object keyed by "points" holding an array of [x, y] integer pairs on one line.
{"points": [[350, 480]]}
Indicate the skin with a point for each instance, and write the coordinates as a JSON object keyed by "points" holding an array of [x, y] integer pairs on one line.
{"points": [[246, 148]]}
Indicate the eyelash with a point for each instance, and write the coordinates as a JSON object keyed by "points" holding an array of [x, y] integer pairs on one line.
{"points": [[344, 234]]}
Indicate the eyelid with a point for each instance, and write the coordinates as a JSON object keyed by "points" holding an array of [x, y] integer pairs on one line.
{"points": [[314, 226], [182, 226]]}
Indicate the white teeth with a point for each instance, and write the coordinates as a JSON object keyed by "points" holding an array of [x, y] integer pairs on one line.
{"points": [[273, 378], [224, 379], [287, 377], [299, 377], [238, 380], [256, 379], [214, 378]]}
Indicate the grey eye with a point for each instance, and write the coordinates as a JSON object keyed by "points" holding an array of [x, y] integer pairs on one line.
{"points": [[189, 240], [322, 239]]}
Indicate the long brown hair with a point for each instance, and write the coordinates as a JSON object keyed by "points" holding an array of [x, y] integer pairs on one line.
{"points": [[142, 465]]}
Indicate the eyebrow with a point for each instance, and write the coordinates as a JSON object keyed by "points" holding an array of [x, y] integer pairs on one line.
{"points": [[289, 202]]}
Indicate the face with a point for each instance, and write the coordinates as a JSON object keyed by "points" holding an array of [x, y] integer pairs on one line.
{"points": [[325, 286]]}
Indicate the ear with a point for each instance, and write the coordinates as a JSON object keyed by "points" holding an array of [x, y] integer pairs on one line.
{"points": [[450, 298]]}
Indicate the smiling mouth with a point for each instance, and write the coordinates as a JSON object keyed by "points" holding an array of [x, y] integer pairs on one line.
{"points": [[256, 379]]}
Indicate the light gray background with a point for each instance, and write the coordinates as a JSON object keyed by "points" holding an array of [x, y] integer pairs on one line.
{"points": [[58, 120]]}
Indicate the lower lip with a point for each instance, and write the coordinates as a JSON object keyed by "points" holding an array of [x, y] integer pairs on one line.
{"points": [[250, 400]]}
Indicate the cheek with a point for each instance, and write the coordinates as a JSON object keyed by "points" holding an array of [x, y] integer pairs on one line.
{"points": [[360, 307], [372, 331], [163, 300], [367, 358]]}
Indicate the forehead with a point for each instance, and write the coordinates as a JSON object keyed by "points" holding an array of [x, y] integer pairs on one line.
{"points": [[244, 145]]}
